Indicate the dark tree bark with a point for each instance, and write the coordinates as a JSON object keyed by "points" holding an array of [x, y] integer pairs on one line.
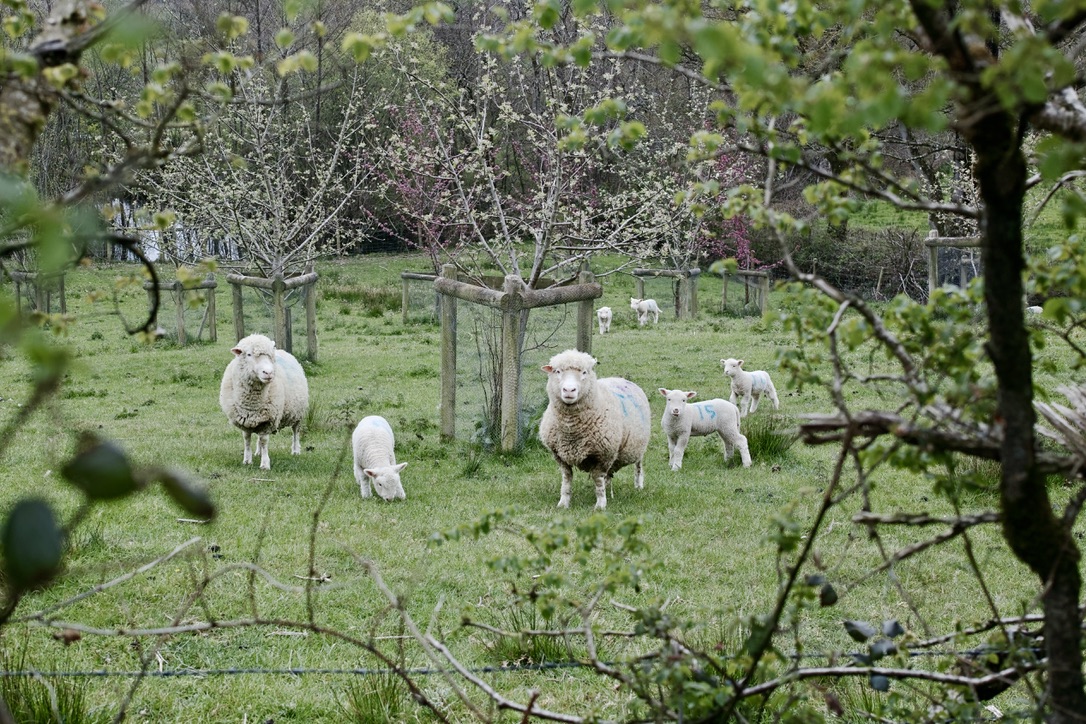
{"points": [[1037, 537]]}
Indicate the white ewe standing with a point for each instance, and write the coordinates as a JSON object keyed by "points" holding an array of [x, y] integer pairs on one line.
{"points": [[645, 307], [603, 314], [264, 390], [682, 422], [595, 425], [749, 386], [375, 458]]}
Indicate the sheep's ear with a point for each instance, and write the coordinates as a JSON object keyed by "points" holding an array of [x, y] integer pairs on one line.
{"points": [[370, 472], [723, 362], [398, 468], [236, 351], [663, 392], [547, 368], [690, 394], [739, 363]]}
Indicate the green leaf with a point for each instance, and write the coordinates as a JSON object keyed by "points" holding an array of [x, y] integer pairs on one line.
{"points": [[33, 544], [284, 38], [101, 470], [880, 682], [827, 596], [191, 496], [882, 648], [892, 628], [859, 630], [231, 26]]}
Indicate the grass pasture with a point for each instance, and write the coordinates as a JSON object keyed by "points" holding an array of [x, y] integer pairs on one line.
{"points": [[707, 525]]}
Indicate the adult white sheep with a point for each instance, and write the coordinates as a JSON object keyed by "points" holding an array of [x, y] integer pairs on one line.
{"points": [[264, 390], [375, 458], [595, 425], [645, 307], [603, 314], [682, 421], [749, 386]]}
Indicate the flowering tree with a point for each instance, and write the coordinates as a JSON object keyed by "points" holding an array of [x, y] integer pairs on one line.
{"points": [[267, 183]]}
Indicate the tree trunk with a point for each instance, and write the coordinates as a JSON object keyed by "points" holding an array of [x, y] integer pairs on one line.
{"points": [[1030, 527]]}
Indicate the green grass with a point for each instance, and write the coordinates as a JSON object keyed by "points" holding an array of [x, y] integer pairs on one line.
{"points": [[706, 525]]}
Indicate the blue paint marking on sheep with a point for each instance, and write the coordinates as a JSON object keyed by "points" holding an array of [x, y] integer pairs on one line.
{"points": [[622, 398], [377, 421], [759, 380], [705, 410]]}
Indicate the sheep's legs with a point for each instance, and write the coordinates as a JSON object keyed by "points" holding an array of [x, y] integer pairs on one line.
{"points": [[601, 491], [754, 401], [247, 457], [296, 444], [363, 481], [639, 474], [678, 450], [567, 485], [262, 448], [744, 450]]}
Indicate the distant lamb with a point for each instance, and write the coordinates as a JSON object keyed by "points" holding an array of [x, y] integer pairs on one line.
{"points": [[264, 390], [1035, 309], [682, 421], [749, 386], [645, 307], [604, 315], [375, 458], [595, 425]]}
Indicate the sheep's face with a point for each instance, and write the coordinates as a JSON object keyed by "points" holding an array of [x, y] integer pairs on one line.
{"points": [[386, 481], [604, 313], [260, 363], [567, 383], [731, 366], [634, 302], [676, 401]]}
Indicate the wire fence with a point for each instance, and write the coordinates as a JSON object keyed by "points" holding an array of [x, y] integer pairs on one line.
{"points": [[424, 670]]}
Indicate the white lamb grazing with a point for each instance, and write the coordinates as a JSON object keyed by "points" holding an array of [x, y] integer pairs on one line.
{"points": [[682, 422], [264, 390], [645, 307], [749, 386], [595, 425], [375, 458], [604, 315]]}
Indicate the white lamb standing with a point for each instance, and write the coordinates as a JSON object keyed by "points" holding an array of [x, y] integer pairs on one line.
{"points": [[603, 314], [264, 390], [749, 386], [595, 425], [645, 307], [682, 421], [375, 458]]}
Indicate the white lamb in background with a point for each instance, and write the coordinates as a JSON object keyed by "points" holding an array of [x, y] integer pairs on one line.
{"points": [[682, 421], [264, 390], [645, 307], [595, 425], [603, 314], [749, 386], [375, 458], [1035, 309]]}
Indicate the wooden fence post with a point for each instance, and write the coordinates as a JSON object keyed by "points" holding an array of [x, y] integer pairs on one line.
{"points": [[405, 298], [178, 290], [763, 285], [512, 307], [279, 313], [640, 287], [585, 314], [693, 291], [448, 360], [311, 321], [239, 313], [212, 330]]}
